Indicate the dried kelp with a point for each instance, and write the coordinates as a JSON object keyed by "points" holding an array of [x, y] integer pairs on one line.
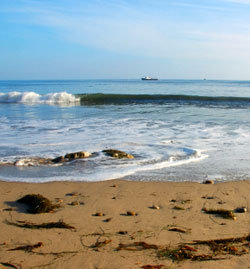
{"points": [[46, 225], [178, 254], [198, 250], [184, 253], [175, 228], [180, 201], [232, 245], [27, 248], [226, 214], [240, 239], [99, 244], [217, 248], [179, 230], [137, 246], [178, 207], [148, 266], [38, 204], [11, 265], [8, 209], [187, 252]]}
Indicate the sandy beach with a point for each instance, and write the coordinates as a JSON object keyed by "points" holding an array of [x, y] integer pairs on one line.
{"points": [[126, 224]]}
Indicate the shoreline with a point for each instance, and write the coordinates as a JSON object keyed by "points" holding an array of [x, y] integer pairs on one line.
{"points": [[95, 241]]}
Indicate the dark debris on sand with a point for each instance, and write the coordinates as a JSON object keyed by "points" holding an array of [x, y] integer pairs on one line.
{"points": [[47, 225], [37, 204]]}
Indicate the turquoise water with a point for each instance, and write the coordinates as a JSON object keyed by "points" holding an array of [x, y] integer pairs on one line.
{"points": [[176, 129]]}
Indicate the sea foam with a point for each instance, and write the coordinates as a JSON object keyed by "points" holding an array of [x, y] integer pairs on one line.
{"points": [[34, 98]]}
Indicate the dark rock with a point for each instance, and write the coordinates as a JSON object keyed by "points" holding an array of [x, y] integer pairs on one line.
{"points": [[208, 182], [131, 213], [71, 157], [117, 154], [77, 155], [241, 210], [98, 214], [59, 159]]}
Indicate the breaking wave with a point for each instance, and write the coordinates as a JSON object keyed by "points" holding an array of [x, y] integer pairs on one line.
{"points": [[65, 98], [34, 98]]}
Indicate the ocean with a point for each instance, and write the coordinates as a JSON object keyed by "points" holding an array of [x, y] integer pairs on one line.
{"points": [[177, 130]]}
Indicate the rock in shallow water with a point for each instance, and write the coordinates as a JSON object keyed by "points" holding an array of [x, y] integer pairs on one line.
{"points": [[77, 155], [117, 154], [71, 157], [59, 159], [36, 161]]}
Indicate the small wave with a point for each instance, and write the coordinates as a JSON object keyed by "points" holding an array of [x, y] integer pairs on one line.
{"points": [[34, 98], [106, 99]]}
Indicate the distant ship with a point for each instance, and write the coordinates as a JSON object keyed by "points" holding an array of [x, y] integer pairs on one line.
{"points": [[149, 78]]}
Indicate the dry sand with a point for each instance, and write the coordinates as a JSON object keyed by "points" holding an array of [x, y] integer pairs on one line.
{"points": [[95, 241]]}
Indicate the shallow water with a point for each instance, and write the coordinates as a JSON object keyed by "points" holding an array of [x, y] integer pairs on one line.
{"points": [[172, 137]]}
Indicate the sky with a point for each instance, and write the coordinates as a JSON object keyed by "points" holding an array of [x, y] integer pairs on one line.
{"points": [[112, 39]]}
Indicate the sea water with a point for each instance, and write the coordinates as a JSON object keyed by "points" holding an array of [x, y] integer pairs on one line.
{"points": [[177, 130]]}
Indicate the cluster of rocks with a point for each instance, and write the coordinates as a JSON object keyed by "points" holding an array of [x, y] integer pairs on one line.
{"points": [[118, 154], [71, 157]]}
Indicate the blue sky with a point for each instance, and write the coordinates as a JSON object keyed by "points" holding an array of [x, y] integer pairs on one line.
{"points": [[81, 39]]}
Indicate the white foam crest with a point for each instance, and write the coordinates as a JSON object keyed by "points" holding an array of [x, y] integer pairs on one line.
{"points": [[34, 98], [166, 142], [25, 162], [125, 172], [31, 162], [172, 161]]}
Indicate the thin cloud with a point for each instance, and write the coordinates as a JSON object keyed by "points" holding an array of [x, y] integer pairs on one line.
{"points": [[118, 26]]}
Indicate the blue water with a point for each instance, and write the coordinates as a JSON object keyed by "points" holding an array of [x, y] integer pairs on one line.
{"points": [[189, 87], [177, 130]]}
